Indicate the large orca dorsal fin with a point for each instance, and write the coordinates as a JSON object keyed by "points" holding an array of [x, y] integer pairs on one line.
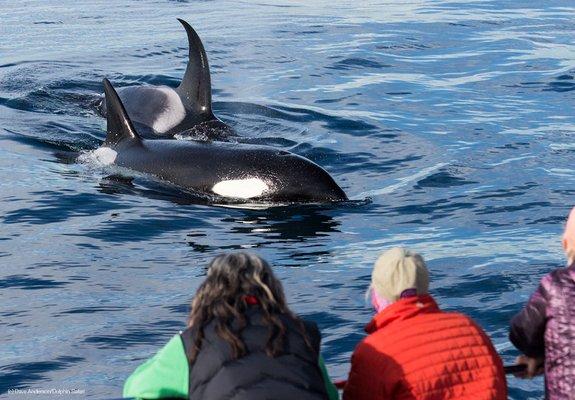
{"points": [[119, 126], [195, 90]]}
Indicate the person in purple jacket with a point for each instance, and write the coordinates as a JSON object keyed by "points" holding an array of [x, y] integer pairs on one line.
{"points": [[544, 331]]}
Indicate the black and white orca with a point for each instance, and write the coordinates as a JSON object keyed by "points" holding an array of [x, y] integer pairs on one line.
{"points": [[228, 171], [162, 111]]}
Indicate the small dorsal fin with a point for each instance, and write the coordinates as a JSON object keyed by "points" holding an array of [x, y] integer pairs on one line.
{"points": [[196, 87], [119, 125]]}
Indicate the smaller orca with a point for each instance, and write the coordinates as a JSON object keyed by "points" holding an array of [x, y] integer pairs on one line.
{"points": [[230, 172], [162, 111]]}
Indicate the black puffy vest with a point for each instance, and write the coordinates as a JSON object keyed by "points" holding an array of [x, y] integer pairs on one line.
{"points": [[293, 375]]}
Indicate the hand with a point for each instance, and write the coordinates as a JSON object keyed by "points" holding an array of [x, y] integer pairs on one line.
{"points": [[534, 367]]}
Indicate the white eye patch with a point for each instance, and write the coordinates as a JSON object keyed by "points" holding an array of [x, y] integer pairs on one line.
{"points": [[241, 188]]}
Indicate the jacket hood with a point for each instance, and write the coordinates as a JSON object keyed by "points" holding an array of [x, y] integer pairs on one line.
{"points": [[401, 310]]}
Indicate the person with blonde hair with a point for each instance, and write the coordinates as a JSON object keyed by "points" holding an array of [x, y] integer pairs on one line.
{"points": [[242, 342], [413, 349], [544, 331]]}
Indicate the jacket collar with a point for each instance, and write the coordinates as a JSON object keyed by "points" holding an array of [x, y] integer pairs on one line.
{"points": [[401, 310]]}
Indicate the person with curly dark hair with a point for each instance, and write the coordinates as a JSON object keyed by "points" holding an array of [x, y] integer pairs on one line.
{"points": [[242, 342]]}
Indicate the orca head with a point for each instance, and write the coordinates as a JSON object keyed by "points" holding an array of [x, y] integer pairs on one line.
{"points": [[300, 179], [279, 176]]}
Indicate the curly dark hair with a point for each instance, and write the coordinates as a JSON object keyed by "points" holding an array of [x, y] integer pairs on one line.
{"points": [[222, 298]]}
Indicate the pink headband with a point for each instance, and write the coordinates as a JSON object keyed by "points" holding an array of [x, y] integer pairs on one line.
{"points": [[380, 303]]}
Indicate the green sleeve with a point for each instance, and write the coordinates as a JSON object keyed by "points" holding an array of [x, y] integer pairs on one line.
{"points": [[332, 393], [164, 375]]}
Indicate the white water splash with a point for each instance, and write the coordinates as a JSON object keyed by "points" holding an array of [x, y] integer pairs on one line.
{"points": [[101, 157]]}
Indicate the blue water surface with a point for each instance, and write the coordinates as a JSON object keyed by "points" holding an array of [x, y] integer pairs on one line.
{"points": [[455, 118]]}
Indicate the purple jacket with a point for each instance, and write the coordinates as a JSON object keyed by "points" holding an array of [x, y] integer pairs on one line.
{"points": [[546, 327]]}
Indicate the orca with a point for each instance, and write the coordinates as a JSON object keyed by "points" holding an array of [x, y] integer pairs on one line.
{"points": [[229, 172], [162, 111]]}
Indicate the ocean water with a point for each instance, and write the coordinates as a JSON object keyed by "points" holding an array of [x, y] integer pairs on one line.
{"points": [[451, 123]]}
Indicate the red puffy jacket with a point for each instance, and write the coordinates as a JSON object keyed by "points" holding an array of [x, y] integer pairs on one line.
{"points": [[416, 351]]}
